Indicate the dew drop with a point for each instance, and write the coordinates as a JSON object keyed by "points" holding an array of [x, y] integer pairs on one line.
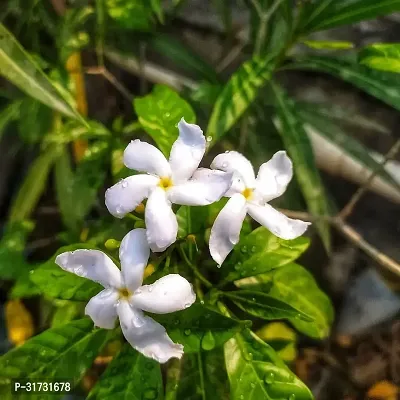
{"points": [[187, 332], [225, 165], [237, 267], [227, 151], [253, 385], [209, 138], [201, 302], [244, 249], [167, 115], [241, 397], [269, 378], [253, 249], [150, 394], [124, 183], [187, 305], [243, 273], [177, 322], [248, 356], [208, 341], [31, 271], [150, 289], [292, 397], [138, 291]]}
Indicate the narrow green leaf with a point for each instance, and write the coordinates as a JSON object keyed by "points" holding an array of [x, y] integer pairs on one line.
{"points": [[12, 246], [382, 85], [157, 9], [200, 376], [65, 352], [382, 56], [299, 148], [350, 146], [257, 373], [260, 251], [33, 185], [238, 94], [159, 112], [328, 45], [326, 14], [57, 283], [294, 285], [266, 307], [8, 114], [182, 56], [129, 376], [19, 67], [199, 327]]}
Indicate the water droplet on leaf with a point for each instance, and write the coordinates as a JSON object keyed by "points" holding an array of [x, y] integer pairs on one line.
{"points": [[209, 138], [269, 378], [187, 332], [150, 394], [292, 397], [244, 249]]}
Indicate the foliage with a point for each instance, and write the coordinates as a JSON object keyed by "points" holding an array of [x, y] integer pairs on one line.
{"points": [[260, 281]]}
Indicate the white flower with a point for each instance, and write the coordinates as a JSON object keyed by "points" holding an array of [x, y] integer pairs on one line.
{"points": [[124, 296], [166, 182], [249, 195]]}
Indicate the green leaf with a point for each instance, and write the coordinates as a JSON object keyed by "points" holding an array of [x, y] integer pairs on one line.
{"points": [[129, 376], [55, 282], [261, 251], [382, 85], [328, 45], [34, 120], [200, 376], [346, 143], [8, 114], [159, 112], [199, 327], [132, 14], [64, 352], [382, 56], [300, 151], [77, 190], [157, 9], [33, 185], [66, 311], [182, 56], [325, 14], [257, 373], [238, 94], [294, 285], [72, 35], [24, 287], [266, 307], [12, 246], [19, 67], [191, 220]]}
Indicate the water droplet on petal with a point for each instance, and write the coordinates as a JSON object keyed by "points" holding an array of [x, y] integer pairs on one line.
{"points": [[150, 289], [124, 183], [187, 305], [225, 165]]}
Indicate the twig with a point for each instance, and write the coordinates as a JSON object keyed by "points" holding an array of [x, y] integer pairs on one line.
{"points": [[198, 274], [230, 57], [349, 207], [353, 236]]}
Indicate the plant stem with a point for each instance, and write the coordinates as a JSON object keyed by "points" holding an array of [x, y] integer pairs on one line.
{"points": [[193, 267]]}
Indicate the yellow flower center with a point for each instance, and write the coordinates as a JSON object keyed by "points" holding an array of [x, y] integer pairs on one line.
{"points": [[247, 193], [124, 293], [165, 183]]}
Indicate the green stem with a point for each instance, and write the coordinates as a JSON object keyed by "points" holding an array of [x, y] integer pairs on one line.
{"points": [[193, 267]]}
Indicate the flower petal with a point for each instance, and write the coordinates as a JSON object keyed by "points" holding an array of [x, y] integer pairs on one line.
{"points": [[274, 176], [126, 195], [161, 223], [226, 229], [146, 335], [134, 253], [187, 151], [232, 161], [144, 157], [206, 187], [168, 294], [91, 264], [276, 222], [101, 308]]}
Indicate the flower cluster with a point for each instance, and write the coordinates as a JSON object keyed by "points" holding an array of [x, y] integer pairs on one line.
{"points": [[178, 180]]}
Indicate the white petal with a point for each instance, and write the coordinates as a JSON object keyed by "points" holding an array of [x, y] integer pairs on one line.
{"points": [[168, 294], [206, 187], [144, 157], [276, 222], [226, 229], [134, 253], [187, 151], [146, 335], [232, 161], [126, 195], [237, 185], [161, 223], [91, 264], [101, 308], [274, 176]]}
